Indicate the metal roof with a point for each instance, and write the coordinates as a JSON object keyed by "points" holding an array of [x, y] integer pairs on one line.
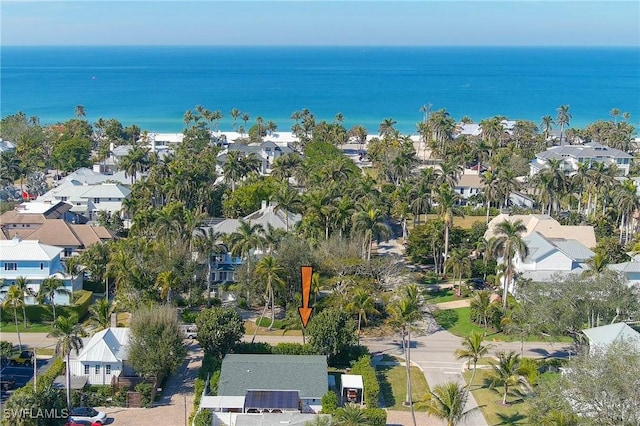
{"points": [[605, 335]]}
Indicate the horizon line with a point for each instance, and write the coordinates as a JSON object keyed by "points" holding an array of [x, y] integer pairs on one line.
{"points": [[333, 46]]}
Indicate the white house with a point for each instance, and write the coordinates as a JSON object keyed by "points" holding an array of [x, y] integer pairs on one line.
{"points": [[601, 337], [469, 184], [550, 256], [589, 153], [88, 199], [36, 262], [266, 385], [267, 215], [103, 357], [267, 152]]}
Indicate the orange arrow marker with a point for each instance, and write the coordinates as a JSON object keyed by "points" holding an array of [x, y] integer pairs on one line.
{"points": [[305, 310]]}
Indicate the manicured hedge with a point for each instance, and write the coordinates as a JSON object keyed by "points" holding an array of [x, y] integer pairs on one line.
{"points": [[371, 387], [376, 416]]}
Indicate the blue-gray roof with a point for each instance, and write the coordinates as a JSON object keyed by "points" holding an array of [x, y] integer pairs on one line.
{"points": [[306, 374]]}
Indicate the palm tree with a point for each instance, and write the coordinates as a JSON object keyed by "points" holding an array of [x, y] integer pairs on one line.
{"points": [[21, 283], [446, 402], [49, 288], [481, 306], [563, 118], [597, 265], [13, 299], [460, 263], [101, 312], [362, 303], [447, 198], [404, 312], [80, 111], [351, 415], [491, 189], [269, 269], [234, 114], [208, 241], [288, 200], [369, 222], [68, 332], [547, 126], [506, 244], [386, 128], [628, 203], [166, 282], [508, 373], [472, 350]]}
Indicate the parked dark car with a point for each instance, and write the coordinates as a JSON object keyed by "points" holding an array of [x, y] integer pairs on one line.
{"points": [[24, 358], [7, 382], [477, 283]]}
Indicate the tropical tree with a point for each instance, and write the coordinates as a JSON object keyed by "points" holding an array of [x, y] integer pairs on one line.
{"points": [[459, 263], [269, 269], [80, 111], [508, 372], [246, 238], [166, 282], [446, 402], [369, 222], [404, 312], [563, 118], [447, 198], [481, 307], [21, 283], [288, 201], [472, 350], [49, 288], [351, 415], [362, 303], [101, 313], [68, 332], [209, 243], [506, 244], [547, 126], [13, 299]]}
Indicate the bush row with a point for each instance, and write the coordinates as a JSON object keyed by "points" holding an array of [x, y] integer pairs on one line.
{"points": [[364, 368]]}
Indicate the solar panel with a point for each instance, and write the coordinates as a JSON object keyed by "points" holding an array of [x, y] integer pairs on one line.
{"points": [[272, 400]]}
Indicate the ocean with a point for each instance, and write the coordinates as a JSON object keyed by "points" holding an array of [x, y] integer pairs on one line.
{"points": [[152, 87]]}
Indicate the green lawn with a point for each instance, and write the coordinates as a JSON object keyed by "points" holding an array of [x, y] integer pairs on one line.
{"points": [[490, 402], [443, 295], [463, 326], [393, 385], [10, 327]]}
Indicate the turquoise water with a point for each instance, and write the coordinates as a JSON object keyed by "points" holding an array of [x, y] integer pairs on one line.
{"points": [[153, 86]]}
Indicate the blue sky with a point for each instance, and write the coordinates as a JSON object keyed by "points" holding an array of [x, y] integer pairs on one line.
{"points": [[551, 22]]}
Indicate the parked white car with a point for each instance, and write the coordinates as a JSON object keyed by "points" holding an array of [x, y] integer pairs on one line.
{"points": [[87, 414]]}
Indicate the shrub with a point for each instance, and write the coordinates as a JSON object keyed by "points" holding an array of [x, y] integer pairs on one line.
{"points": [[145, 390], [252, 348], [189, 317], [371, 386], [446, 318], [293, 349], [376, 416], [329, 402], [203, 418]]}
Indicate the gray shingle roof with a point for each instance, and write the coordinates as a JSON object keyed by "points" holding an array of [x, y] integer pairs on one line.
{"points": [[306, 374], [588, 150]]}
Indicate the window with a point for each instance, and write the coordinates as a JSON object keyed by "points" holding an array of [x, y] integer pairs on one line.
{"points": [[107, 369], [97, 368], [63, 198], [68, 251], [96, 201], [86, 369], [10, 266], [41, 266]]}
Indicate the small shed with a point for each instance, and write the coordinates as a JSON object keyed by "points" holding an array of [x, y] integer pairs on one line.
{"points": [[352, 389]]}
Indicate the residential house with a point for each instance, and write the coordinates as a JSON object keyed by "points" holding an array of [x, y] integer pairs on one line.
{"points": [[550, 257], [469, 184], [71, 238], [603, 336], [36, 262], [267, 215], [103, 357], [6, 146], [588, 153], [630, 270], [31, 215], [87, 199], [547, 227], [262, 385], [266, 151]]}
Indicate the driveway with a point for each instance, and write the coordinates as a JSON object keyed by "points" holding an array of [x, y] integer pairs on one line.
{"points": [[176, 403]]}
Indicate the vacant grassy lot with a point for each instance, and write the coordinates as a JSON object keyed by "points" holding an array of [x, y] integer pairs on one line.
{"points": [[393, 385], [462, 222], [10, 327], [490, 402], [458, 322], [250, 326]]}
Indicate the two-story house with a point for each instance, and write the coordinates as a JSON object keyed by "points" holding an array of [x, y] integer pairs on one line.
{"points": [[588, 153], [35, 262], [267, 152]]}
